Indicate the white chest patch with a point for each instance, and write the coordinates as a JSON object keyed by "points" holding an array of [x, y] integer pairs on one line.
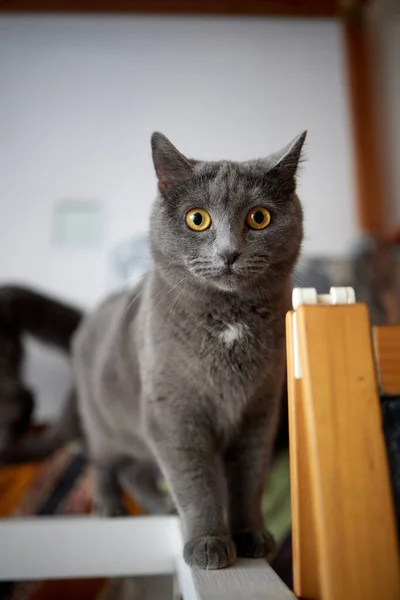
{"points": [[233, 332]]}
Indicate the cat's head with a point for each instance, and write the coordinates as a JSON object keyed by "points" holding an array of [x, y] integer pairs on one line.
{"points": [[228, 225]]}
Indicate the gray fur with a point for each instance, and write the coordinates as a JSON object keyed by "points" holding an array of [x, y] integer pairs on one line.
{"points": [[186, 371]]}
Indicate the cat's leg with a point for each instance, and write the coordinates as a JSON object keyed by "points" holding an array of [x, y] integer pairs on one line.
{"points": [[188, 460], [107, 492], [246, 464], [140, 481], [108, 500]]}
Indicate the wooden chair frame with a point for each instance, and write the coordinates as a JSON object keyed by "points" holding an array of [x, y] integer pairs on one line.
{"points": [[344, 532]]}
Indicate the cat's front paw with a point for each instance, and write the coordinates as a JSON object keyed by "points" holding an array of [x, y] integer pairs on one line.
{"points": [[210, 552], [254, 544]]}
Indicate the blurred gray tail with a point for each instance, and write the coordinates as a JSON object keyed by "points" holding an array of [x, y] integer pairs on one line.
{"points": [[35, 447], [47, 319]]}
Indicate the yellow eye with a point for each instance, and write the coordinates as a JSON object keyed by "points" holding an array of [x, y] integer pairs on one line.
{"points": [[258, 218], [198, 219]]}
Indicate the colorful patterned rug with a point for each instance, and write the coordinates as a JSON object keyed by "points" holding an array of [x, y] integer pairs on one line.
{"points": [[62, 486]]}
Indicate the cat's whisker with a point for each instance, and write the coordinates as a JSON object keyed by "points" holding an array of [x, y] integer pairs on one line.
{"points": [[161, 297], [299, 280], [172, 307], [146, 272], [170, 291], [136, 296], [204, 273], [296, 277]]}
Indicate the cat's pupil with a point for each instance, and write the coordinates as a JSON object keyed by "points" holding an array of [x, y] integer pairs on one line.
{"points": [[197, 219], [258, 217]]}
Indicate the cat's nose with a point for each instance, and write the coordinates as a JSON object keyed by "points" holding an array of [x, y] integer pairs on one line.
{"points": [[229, 257]]}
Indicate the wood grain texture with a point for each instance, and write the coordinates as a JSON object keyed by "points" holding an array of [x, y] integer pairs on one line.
{"points": [[305, 558], [355, 523], [387, 351], [302, 8]]}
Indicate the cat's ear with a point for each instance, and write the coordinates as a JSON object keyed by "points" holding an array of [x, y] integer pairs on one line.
{"points": [[287, 160], [170, 165]]}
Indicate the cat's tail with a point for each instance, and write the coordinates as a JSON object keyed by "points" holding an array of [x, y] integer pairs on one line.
{"points": [[47, 319], [34, 447]]}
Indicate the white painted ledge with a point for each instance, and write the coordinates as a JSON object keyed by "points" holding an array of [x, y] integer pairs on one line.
{"points": [[247, 579], [60, 548], [80, 547]]}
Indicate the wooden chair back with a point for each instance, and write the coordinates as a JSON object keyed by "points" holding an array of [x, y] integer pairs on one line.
{"points": [[345, 543]]}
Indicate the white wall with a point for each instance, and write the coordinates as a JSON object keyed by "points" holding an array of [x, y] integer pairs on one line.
{"points": [[79, 98]]}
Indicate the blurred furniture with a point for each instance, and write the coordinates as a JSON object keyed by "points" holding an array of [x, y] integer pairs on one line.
{"points": [[344, 529], [343, 521], [296, 8]]}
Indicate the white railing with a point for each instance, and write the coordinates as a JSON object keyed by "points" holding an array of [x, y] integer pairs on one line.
{"points": [[83, 547]]}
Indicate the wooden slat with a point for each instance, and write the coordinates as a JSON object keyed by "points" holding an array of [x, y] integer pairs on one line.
{"points": [[355, 523], [370, 190], [305, 558], [303, 8], [387, 351]]}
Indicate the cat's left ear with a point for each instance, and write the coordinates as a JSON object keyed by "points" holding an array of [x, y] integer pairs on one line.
{"points": [[170, 165], [287, 160]]}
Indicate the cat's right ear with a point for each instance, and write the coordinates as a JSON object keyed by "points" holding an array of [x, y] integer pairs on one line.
{"points": [[170, 165]]}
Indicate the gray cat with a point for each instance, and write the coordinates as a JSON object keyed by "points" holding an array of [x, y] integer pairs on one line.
{"points": [[186, 371]]}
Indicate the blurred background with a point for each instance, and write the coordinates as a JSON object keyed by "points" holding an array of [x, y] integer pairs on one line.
{"points": [[84, 83], [81, 94]]}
